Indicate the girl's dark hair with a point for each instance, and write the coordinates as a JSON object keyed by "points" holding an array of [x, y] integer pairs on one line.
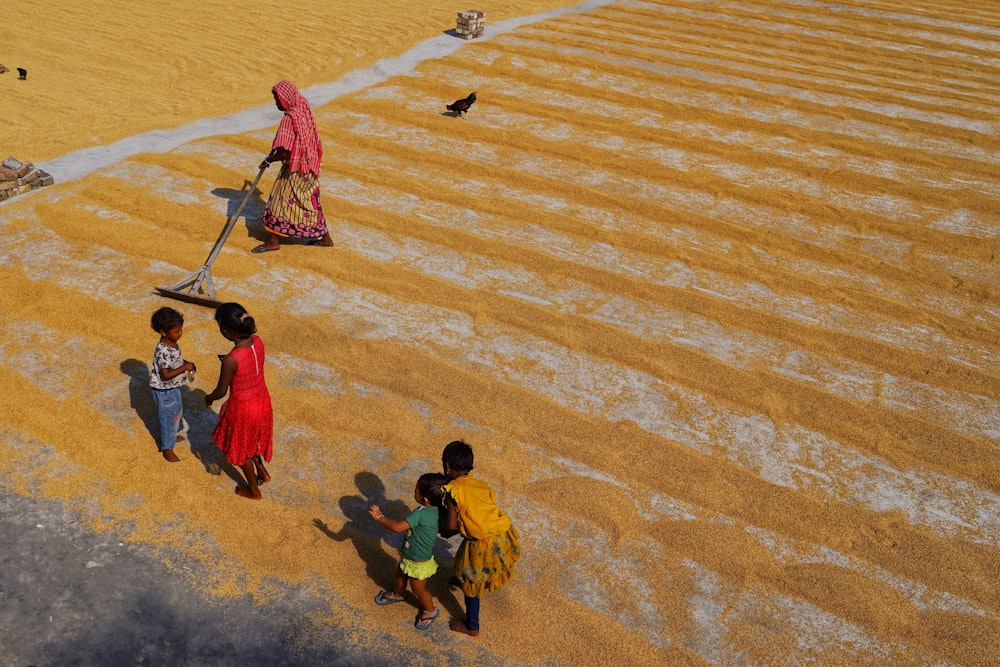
{"points": [[429, 485], [457, 455], [235, 317], [166, 319]]}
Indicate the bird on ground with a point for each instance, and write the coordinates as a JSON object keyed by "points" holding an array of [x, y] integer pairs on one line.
{"points": [[22, 73], [459, 107]]}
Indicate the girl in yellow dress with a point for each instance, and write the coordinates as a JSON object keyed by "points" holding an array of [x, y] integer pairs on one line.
{"points": [[485, 560]]}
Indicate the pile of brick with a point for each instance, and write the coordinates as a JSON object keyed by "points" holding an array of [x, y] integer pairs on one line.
{"points": [[471, 24], [18, 177]]}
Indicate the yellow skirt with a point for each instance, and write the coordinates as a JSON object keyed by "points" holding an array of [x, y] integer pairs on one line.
{"points": [[293, 207], [486, 565], [418, 569]]}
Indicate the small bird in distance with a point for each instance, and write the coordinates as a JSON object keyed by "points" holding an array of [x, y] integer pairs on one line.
{"points": [[459, 107], [22, 73]]}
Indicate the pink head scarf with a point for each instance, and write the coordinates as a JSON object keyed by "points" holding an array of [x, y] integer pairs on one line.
{"points": [[297, 131]]}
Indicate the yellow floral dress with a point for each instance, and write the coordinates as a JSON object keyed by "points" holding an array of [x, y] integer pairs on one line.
{"points": [[485, 560]]}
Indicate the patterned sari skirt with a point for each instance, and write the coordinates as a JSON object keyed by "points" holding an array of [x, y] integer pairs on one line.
{"points": [[486, 565], [293, 207]]}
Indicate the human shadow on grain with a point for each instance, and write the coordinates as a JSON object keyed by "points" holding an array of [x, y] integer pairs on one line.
{"points": [[367, 536], [140, 396], [252, 211], [201, 424]]}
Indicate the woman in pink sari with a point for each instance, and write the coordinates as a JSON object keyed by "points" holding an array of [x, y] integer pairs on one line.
{"points": [[293, 208]]}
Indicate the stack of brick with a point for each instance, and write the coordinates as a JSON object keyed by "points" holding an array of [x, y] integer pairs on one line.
{"points": [[471, 24], [18, 177]]}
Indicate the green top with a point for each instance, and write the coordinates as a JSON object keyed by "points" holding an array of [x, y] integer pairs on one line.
{"points": [[419, 543]]}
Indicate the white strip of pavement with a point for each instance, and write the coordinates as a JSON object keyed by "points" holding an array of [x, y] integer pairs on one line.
{"points": [[80, 163]]}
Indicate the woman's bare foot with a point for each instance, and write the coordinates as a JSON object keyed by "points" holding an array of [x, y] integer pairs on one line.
{"points": [[459, 626], [247, 493], [324, 241], [270, 245], [169, 455], [263, 479]]}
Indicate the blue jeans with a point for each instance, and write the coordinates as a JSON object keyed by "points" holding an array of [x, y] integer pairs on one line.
{"points": [[170, 410]]}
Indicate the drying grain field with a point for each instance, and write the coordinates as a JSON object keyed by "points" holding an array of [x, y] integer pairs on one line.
{"points": [[712, 288]]}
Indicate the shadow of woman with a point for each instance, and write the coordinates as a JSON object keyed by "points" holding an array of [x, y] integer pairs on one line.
{"points": [[200, 420], [367, 536], [252, 212]]}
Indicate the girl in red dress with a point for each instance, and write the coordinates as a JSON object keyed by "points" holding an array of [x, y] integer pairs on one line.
{"points": [[246, 422]]}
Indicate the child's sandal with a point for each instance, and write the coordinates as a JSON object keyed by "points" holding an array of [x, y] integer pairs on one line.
{"points": [[424, 622], [385, 597]]}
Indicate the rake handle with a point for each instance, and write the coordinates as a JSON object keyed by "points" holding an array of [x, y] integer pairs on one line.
{"points": [[221, 241]]}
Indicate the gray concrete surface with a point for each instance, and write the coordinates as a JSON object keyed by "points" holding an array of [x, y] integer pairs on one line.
{"points": [[69, 596]]}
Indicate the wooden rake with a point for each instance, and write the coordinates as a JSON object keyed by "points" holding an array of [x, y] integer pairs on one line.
{"points": [[196, 287]]}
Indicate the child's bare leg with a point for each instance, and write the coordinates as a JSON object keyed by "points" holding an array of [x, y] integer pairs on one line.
{"points": [[399, 584], [427, 611], [419, 587], [261, 471], [398, 590], [251, 491]]}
